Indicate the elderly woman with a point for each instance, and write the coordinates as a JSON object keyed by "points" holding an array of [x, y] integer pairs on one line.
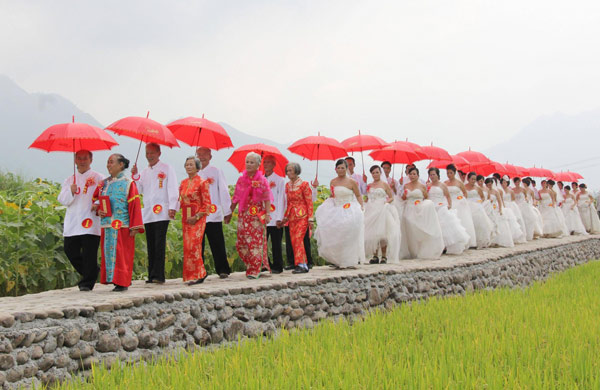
{"points": [[195, 205], [298, 214], [253, 193], [120, 220]]}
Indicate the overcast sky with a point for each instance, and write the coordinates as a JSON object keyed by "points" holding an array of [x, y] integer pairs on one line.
{"points": [[458, 73]]}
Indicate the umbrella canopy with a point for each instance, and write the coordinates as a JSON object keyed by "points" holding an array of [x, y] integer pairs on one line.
{"points": [[200, 132], [459, 162], [144, 129], [238, 158], [567, 176], [318, 148], [362, 142], [436, 153], [399, 152], [487, 169], [72, 137], [540, 172], [474, 158]]}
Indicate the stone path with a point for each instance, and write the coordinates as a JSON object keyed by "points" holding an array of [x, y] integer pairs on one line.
{"points": [[102, 299]]}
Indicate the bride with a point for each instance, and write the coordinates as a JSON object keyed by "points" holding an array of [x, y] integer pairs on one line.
{"points": [[340, 222], [421, 231], [382, 224]]}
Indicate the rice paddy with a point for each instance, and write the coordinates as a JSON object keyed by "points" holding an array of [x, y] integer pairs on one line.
{"points": [[543, 337]]}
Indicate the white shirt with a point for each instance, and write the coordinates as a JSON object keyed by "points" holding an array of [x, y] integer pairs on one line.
{"points": [[362, 186], [393, 183], [277, 185], [159, 188], [219, 193], [79, 218]]}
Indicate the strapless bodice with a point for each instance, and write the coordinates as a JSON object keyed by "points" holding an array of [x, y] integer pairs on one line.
{"points": [[376, 194], [436, 194], [343, 195]]}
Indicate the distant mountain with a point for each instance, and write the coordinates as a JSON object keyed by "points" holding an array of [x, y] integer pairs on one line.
{"points": [[557, 141], [24, 115]]}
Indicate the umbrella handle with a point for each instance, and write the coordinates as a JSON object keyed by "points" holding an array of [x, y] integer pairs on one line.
{"points": [[74, 158], [138, 152]]}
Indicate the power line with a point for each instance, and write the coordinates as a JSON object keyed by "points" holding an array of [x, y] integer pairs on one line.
{"points": [[576, 162]]}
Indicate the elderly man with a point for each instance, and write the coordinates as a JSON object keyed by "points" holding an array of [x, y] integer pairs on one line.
{"points": [[219, 209], [158, 185], [82, 226], [274, 227], [361, 180]]}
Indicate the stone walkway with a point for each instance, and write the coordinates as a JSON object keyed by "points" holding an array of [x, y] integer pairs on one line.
{"points": [[52, 303]]}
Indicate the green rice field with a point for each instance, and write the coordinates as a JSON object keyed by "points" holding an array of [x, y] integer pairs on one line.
{"points": [[544, 337]]}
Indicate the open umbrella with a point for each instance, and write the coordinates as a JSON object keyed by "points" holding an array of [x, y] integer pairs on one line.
{"points": [[459, 162], [238, 158], [399, 152], [144, 129], [474, 158], [318, 147], [362, 142], [436, 153], [567, 176], [73, 137], [200, 132], [540, 172]]}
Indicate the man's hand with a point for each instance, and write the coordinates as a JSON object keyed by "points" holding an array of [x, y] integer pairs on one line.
{"points": [[279, 224], [73, 189], [134, 170], [227, 219], [172, 213], [364, 178], [315, 183]]}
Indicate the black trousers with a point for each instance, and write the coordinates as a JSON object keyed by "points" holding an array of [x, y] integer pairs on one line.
{"points": [[156, 241], [82, 252], [289, 250], [276, 235], [216, 240]]}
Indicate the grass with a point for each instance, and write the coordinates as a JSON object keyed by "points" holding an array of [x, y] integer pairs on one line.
{"points": [[543, 337]]}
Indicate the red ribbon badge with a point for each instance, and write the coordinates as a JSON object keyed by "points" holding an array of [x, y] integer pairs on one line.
{"points": [[210, 180], [346, 206], [87, 223], [253, 210], [116, 224], [459, 197], [88, 183], [212, 208], [255, 183], [417, 202], [161, 177], [272, 184], [272, 207], [157, 209]]}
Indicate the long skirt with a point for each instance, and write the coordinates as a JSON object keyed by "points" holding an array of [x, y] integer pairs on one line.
{"points": [[252, 242], [118, 249], [193, 264]]}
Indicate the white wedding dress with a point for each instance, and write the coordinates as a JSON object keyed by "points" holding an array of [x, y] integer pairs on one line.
{"points": [[529, 216], [456, 238], [552, 226], [515, 219], [502, 234], [588, 213], [572, 217], [484, 227], [463, 210], [421, 231], [340, 229], [382, 225]]}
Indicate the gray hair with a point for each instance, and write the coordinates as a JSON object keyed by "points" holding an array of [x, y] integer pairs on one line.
{"points": [[295, 166], [255, 156], [196, 160]]}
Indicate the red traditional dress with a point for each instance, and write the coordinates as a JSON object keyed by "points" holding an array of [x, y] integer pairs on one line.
{"points": [[251, 193], [118, 246], [194, 193], [299, 210]]}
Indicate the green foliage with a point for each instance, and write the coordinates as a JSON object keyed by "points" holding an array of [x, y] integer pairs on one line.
{"points": [[32, 258], [543, 337]]}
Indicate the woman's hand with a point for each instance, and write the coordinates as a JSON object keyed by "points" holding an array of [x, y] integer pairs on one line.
{"points": [[192, 220], [101, 213], [267, 219], [133, 231]]}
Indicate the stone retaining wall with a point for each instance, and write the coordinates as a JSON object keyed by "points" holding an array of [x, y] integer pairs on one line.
{"points": [[57, 344]]}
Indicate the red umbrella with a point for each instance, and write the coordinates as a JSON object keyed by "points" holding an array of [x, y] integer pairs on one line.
{"points": [[361, 142], [489, 168], [474, 158], [238, 158], [73, 137], [514, 171], [318, 148], [459, 162], [200, 132], [144, 129], [540, 172], [399, 152], [436, 153], [567, 176]]}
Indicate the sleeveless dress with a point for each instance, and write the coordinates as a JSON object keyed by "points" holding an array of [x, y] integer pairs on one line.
{"points": [[572, 217], [454, 234], [340, 229], [382, 225], [463, 210], [515, 219], [502, 234], [552, 226], [538, 229], [484, 227], [588, 213], [420, 228]]}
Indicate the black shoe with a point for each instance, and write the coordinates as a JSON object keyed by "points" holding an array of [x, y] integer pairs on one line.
{"points": [[289, 267], [276, 271], [84, 288], [383, 260], [197, 281], [119, 288], [149, 281], [223, 275], [300, 270], [374, 260]]}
